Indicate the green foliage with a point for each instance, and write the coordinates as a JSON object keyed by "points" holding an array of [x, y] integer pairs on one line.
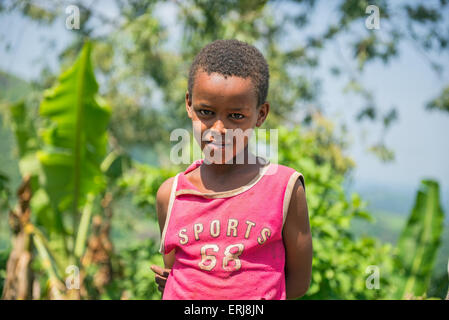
{"points": [[23, 129], [137, 281], [144, 67], [419, 242], [36, 11], [75, 138], [340, 262], [4, 192], [143, 181], [440, 103], [13, 88], [26, 139], [382, 152], [4, 254], [64, 155]]}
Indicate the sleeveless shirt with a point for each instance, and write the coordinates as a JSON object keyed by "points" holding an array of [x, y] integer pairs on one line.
{"points": [[228, 245]]}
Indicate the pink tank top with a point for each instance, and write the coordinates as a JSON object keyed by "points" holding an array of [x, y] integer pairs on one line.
{"points": [[228, 245]]}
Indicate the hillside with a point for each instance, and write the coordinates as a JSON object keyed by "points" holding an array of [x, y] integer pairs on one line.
{"points": [[12, 87]]}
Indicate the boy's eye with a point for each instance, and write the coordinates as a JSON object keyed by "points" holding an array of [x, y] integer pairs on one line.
{"points": [[238, 115], [204, 112]]}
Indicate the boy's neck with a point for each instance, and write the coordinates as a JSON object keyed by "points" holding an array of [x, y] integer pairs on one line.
{"points": [[250, 162]]}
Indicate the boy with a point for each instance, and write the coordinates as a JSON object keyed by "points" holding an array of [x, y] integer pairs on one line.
{"points": [[232, 202]]}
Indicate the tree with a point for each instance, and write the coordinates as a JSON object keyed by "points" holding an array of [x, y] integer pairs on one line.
{"points": [[144, 72]]}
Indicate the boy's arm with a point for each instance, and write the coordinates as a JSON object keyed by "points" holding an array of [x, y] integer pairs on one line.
{"points": [[162, 199], [298, 244]]}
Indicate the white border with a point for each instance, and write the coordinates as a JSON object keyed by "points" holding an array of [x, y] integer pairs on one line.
{"points": [[288, 193], [167, 217]]}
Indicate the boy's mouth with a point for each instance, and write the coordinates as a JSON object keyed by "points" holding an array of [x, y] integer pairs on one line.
{"points": [[218, 144]]}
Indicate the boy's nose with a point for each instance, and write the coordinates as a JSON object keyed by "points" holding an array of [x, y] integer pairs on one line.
{"points": [[219, 127], [218, 131]]}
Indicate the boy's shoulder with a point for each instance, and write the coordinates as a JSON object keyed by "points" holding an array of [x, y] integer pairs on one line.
{"points": [[163, 193], [292, 174], [162, 200]]}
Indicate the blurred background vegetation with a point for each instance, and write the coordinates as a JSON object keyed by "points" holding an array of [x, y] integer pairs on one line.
{"points": [[84, 148]]}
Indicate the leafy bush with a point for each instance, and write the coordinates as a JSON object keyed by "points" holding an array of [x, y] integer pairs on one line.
{"points": [[138, 279], [340, 262]]}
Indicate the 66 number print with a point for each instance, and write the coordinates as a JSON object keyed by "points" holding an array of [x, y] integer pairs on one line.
{"points": [[228, 257]]}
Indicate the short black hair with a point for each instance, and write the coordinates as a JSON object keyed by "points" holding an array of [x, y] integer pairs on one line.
{"points": [[233, 58]]}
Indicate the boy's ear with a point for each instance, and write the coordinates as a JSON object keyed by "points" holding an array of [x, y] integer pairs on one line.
{"points": [[188, 105], [263, 110]]}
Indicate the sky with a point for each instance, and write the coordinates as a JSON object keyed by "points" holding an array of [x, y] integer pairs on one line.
{"points": [[419, 138]]}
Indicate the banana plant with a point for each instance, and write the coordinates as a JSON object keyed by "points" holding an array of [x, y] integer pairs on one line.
{"points": [[75, 142], [65, 158], [419, 242]]}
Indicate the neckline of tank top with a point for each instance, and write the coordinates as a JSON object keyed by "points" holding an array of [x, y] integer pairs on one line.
{"points": [[221, 194]]}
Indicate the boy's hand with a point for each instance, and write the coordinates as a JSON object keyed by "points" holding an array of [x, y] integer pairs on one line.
{"points": [[160, 276]]}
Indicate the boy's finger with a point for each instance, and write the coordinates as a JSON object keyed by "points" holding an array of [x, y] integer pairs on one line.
{"points": [[161, 277], [161, 289], [158, 276], [159, 270], [160, 281], [154, 268]]}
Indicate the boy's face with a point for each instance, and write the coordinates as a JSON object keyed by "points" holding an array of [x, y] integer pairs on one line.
{"points": [[223, 105]]}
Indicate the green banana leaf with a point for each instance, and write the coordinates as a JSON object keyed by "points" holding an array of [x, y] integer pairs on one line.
{"points": [[74, 136], [28, 144], [26, 139], [5, 192], [23, 129], [419, 242]]}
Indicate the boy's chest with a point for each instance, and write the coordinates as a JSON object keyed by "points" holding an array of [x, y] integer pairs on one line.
{"points": [[225, 230], [226, 219], [226, 245], [223, 235]]}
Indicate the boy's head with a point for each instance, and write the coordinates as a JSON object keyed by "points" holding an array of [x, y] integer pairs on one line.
{"points": [[233, 58], [227, 90]]}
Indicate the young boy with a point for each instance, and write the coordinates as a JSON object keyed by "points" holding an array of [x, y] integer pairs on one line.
{"points": [[231, 230]]}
